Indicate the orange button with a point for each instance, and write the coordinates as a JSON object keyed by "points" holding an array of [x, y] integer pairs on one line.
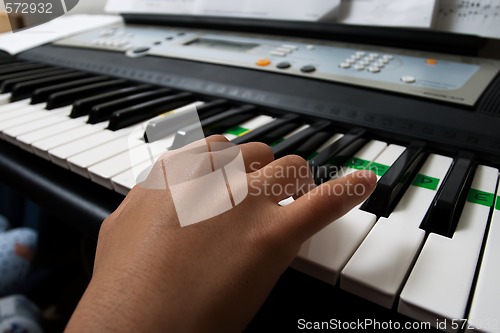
{"points": [[263, 62], [431, 61]]}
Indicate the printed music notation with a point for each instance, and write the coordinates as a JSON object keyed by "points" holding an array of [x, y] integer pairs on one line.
{"points": [[479, 17]]}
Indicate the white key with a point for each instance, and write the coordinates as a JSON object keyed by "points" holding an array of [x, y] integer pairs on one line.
{"points": [[102, 172], [81, 162], [378, 268], [42, 147], [25, 140], [440, 282], [31, 115], [248, 126], [13, 106], [125, 181], [484, 315], [4, 98], [325, 254], [59, 155], [50, 118], [16, 111]]}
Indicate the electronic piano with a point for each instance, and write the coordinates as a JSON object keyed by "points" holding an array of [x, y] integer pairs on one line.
{"points": [[424, 248]]}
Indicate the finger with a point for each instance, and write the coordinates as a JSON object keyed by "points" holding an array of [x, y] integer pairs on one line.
{"points": [[255, 156], [283, 178], [326, 203]]}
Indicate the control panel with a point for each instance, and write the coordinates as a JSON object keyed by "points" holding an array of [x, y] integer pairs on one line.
{"points": [[459, 80]]}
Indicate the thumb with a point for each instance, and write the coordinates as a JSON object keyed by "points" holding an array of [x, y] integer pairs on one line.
{"points": [[314, 210]]}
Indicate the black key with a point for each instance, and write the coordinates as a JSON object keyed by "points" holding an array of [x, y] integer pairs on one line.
{"points": [[8, 61], [67, 97], [329, 161], [19, 69], [103, 112], [309, 147], [7, 85], [25, 89], [24, 74], [42, 95], [444, 213], [392, 185], [162, 128], [11, 64], [289, 145], [137, 113], [213, 125], [82, 107], [271, 132]]}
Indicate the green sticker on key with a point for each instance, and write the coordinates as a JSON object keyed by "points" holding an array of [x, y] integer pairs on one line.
{"points": [[237, 130], [481, 197], [497, 206], [427, 182], [379, 169], [357, 163]]}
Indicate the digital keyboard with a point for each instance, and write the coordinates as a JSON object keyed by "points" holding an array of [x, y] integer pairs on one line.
{"points": [[425, 244]]}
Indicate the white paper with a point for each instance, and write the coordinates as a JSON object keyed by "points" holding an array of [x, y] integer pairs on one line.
{"points": [[308, 10], [61, 27], [479, 17], [390, 13]]}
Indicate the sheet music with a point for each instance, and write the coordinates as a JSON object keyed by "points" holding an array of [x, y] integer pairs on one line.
{"points": [[391, 13], [63, 26], [310, 10], [478, 17]]}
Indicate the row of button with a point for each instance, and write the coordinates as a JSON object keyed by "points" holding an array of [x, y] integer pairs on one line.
{"points": [[285, 65], [284, 50]]}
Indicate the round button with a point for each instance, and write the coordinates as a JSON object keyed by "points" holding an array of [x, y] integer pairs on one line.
{"points": [[431, 61], [310, 47], [408, 79], [344, 65], [373, 69], [359, 67], [263, 62], [141, 49], [283, 65], [157, 43], [308, 69]]}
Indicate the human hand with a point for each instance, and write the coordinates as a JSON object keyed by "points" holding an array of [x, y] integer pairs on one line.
{"points": [[152, 274]]}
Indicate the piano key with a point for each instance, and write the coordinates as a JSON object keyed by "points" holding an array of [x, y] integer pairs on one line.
{"points": [[21, 116], [60, 154], [24, 74], [103, 171], [4, 98], [311, 145], [326, 163], [443, 216], [125, 181], [4, 108], [292, 142], [8, 85], [483, 314], [161, 127], [272, 131], [25, 89], [33, 124], [440, 282], [325, 254], [42, 147], [67, 97], [147, 110], [103, 112], [82, 107], [379, 266], [13, 69], [213, 125], [247, 127], [26, 139], [395, 181], [42, 95]]}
